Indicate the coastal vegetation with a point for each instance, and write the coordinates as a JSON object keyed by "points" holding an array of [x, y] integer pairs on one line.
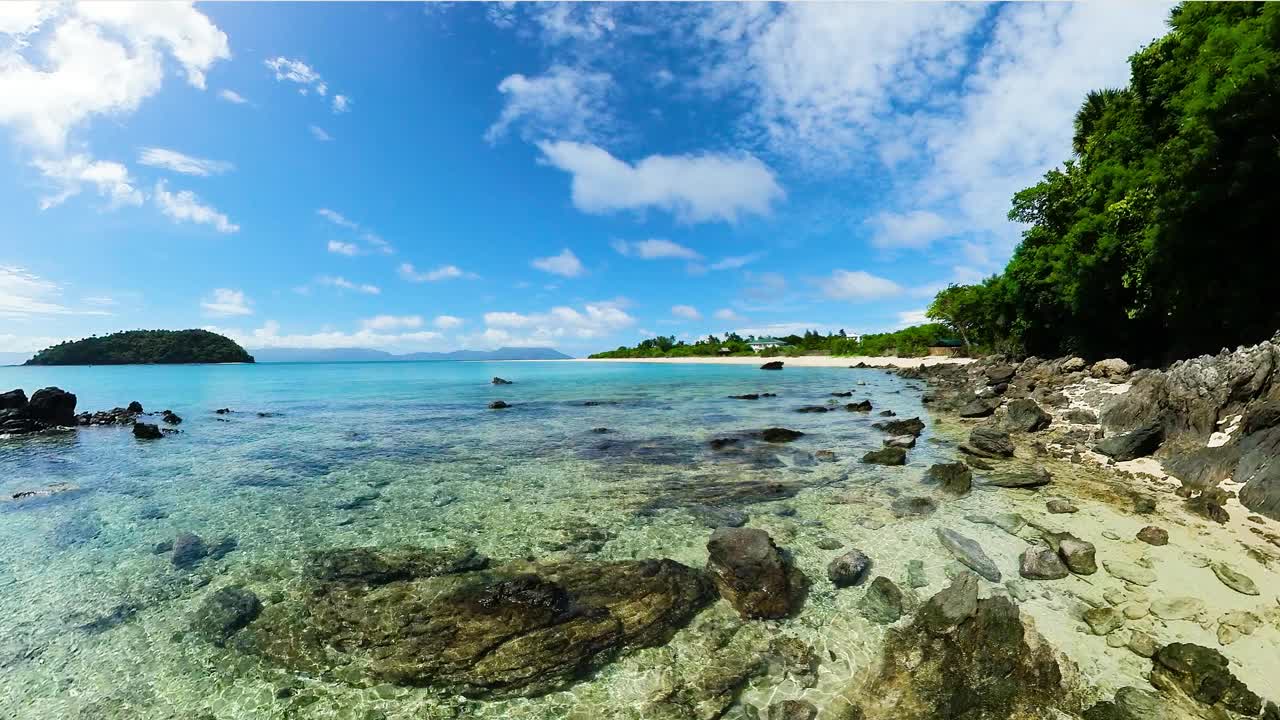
{"points": [[913, 341], [1154, 241], [145, 347]]}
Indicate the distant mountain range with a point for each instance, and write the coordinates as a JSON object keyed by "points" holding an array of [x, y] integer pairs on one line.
{"points": [[367, 355]]}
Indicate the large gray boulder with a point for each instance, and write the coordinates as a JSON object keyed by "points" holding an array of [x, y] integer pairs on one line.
{"points": [[988, 442], [969, 553], [1139, 442], [1024, 415], [752, 573], [53, 406]]}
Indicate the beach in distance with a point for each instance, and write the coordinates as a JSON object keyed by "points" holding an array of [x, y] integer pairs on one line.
{"points": [[802, 361]]}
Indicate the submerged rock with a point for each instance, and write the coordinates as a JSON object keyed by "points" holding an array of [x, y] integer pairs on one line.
{"points": [[849, 569], [988, 442], [955, 478], [188, 549], [225, 612], [379, 566], [883, 602], [147, 431], [752, 573], [520, 629], [499, 405], [886, 456], [909, 505], [911, 426], [792, 710], [1203, 674], [970, 553], [779, 435], [813, 409]]}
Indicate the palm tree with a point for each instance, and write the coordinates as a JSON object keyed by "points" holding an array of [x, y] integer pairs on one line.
{"points": [[1087, 117]]}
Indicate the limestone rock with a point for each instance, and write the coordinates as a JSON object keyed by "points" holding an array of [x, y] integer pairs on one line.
{"points": [[969, 553], [1235, 579], [1139, 442], [1024, 415], [1103, 621], [988, 442], [751, 573], [1129, 572], [1180, 607]]}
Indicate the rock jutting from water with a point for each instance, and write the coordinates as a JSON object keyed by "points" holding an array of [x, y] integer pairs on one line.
{"points": [[954, 478], [988, 442], [848, 569], [753, 574], [886, 456]]}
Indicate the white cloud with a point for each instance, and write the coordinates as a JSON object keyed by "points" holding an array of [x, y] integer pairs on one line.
{"points": [[297, 71], [728, 315], [654, 249], [70, 173], [686, 312], [783, 329], [232, 96], [337, 218], [23, 294], [343, 248], [27, 343], [695, 188], [734, 262], [185, 206], [563, 103], [444, 272], [226, 302], [392, 322], [341, 103], [917, 229], [178, 162], [565, 264], [318, 133], [912, 317], [447, 322], [858, 285], [269, 336], [344, 284], [559, 324]]}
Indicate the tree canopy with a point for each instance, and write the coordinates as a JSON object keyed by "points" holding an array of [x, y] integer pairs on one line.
{"points": [[142, 347]]}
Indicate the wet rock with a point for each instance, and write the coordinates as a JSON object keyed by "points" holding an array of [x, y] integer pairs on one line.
{"points": [[723, 443], [500, 381], [772, 365], [969, 553], [1153, 535], [357, 500], [916, 577], [779, 435], [147, 431], [825, 455], [1027, 479], [913, 505], [718, 517], [887, 413], [499, 405], [988, 442], [901, 441], [13, 400], [171, 417], [1203, 674], [188, 549], [520, 629], [952, 605], [978, 408], [1234, 579], [225, 612], [1129, 572], [954, 478], [797, 659], [1040, 562], [829, 543], [792, 710], [1103, 621], [1011, 523], [886, 456], [379, 566], [1024, 415], [1058, 506], [600, 431], [1139, 442], [134, 407], [52, 406], [882, 603], [849, 569], [223, 411], [752, 573], [911, 426], [813, 409], [860, 406]]}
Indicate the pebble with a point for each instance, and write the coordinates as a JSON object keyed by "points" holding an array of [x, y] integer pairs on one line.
{"points": [[1060, 507], [1103, 621], [1110, 535], [1117, 640], [1142, 644]]}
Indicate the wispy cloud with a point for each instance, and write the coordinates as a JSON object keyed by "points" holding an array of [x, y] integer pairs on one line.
{"points": [[374, 241], [298, 72], [319, 133], [564, 102], [225, 302], [175, 161], [686, 312], [341, 103], [566, 264], [858, 285], [184, 206], [24, 294], [344, 284], [654, 249], [233, 97], [338, 247], [444, 272]]}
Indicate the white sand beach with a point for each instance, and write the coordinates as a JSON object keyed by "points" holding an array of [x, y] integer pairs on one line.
{"points": [[803, 361]]}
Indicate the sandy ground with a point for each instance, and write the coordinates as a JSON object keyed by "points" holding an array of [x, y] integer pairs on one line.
{"points": [[803, 361]]}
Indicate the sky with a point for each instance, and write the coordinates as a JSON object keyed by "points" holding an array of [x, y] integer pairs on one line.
{"points": [[410, 177]]}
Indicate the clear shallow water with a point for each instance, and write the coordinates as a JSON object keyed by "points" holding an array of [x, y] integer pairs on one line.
{"points": [[93, 622]]}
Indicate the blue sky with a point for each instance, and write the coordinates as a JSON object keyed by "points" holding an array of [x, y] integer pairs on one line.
{"points": [[430, 177]]}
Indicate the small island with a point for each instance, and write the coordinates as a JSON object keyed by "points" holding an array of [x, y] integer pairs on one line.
{"points": [[145, 347]]}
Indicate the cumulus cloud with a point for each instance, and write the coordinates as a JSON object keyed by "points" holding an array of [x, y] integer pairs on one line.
{"points": [[686, 312], [175, 161], [565, 264], [858, 285], [907, 318], [343, 248], [392, 322], [269, 336], [184, 206], [344, 284], [225, 302], [341, 103], [563, 103], [916, 230], [444, 272], [69, 174], [694, 188], [561, 323], [447, 322], [654, 249], [298, 72]]}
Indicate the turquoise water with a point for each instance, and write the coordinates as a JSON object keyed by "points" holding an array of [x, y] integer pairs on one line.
{"points": [[95, 623]]}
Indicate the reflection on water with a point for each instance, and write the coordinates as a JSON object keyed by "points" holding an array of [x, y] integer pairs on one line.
{"points": [[607, 463]]}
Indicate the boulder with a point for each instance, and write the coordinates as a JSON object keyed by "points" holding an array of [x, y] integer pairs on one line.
{"points": [[135, 408], [1134, 444], [500, 381], [969, 553], [13, 400], [988, 442], [499, 405], [1080, 416], [1058, 506], [1072, 364], [751, 573], [1110, 368], [860, 406], [772, 365], [1078, 555], [792, 710], [779, 435], [886, 456], [1030, 478], [1040, 562], [954, 478], [849, 569], [813, 409], [883, 602], [978, 408], [188, 549], [1024, 415], [147, 431], [171, 417], [380, 566], [911, 426], [901, 441], [1153, 535], [225, 612], [998, 374], [52, 406], [1204, 675]]}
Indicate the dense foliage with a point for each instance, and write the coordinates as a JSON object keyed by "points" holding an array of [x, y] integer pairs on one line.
{"points": [[140, 347], [912, 341], [1157, 239]]}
